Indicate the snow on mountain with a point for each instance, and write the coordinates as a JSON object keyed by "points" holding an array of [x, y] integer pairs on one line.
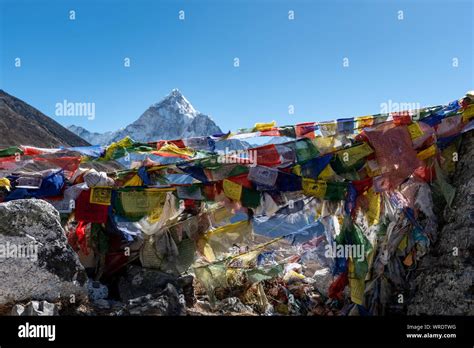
{"points": [[91, 137], [172, 118]]}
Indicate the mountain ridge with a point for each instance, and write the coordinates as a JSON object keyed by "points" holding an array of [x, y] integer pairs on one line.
{"points": [[23, 124], [171, 118]]}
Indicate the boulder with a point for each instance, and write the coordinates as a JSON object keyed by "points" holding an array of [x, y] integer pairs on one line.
{"points": [[36, 262]]}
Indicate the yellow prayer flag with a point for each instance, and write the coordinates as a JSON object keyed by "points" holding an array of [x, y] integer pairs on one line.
{"points": [[468, 113], [265, 126], [373, 168], [352, 155], [327, 173], [324, 144], [450, 156], [363, 122], [223, 238], [100, 195], [357, 290], [316, 188], [415, 130], [124, 143], [427, 153], [134, 181], [297, 170], [172, 149], [403, 243], [232, 190], [373, 214], [4, 182]]}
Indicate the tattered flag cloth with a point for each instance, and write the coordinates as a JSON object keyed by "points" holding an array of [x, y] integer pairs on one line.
{"points": [[394, 151]]}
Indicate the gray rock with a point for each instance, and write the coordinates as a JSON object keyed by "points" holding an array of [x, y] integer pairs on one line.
{"points": [[443, 284], [166, 302], [102, 304], [233, 305], [36, 261], [140, 281], [18, 310], [35, 309]]}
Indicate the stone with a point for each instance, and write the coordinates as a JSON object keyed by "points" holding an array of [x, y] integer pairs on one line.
{"points": [[164, 303], [139, 281], [102, 304], [35, 309], [36, 261], [96, 290]]}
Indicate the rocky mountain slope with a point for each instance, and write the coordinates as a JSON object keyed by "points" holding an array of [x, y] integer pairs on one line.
{"points": [[172, 118], [443, 284], [22, 124]]}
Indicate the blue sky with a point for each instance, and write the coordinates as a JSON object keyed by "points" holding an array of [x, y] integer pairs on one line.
{"points": [[282, 62]]}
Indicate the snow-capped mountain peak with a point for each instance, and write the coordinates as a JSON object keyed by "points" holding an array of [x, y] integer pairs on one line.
{"points": [[172, 118], [176, 102]]}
